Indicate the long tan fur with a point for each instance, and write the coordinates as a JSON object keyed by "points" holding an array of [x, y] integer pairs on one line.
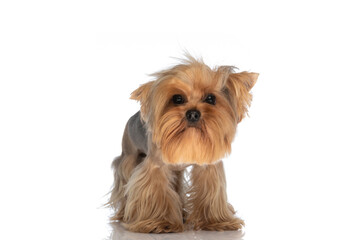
{"points": [[150, 193]]}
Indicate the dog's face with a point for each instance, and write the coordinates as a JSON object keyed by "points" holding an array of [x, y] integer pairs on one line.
{"points": [[192, 111]]}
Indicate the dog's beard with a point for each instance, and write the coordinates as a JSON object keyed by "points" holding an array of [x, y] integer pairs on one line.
{"points": [[202, 143]]}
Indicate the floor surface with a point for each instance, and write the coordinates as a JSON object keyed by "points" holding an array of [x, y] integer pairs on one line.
{"points": [[119, 233]]}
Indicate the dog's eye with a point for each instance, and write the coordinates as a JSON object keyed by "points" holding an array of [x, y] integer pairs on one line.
{"points": [[210, 99], [178, 99]]}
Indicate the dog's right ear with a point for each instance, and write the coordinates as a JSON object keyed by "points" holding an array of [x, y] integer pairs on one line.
{"points": [[142, 94]]}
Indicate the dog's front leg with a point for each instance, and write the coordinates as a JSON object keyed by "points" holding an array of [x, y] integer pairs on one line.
{"points": [[207, 203], [152, 203]]}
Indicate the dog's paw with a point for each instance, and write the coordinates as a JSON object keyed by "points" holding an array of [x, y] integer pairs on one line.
{"points": [[230, 225], [155, 226]]}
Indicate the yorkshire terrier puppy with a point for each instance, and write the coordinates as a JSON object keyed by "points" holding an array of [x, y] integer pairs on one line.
{"points": [[188, 117]]}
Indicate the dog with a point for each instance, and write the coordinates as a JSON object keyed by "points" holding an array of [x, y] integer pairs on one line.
{"points": [[188, 117]]}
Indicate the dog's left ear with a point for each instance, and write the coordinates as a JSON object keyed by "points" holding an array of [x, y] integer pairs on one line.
{"points": [[142, 94], [239, 86]]}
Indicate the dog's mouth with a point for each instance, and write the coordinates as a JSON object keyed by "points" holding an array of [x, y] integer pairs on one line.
{"points": [[198, 126], [193, 125], [183, 129]]}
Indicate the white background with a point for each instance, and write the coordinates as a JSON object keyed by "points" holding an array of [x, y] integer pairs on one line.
{"points": [[67, 69]]}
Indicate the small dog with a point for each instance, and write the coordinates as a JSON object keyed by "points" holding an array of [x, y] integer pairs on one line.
{"points": [[188, 117]]}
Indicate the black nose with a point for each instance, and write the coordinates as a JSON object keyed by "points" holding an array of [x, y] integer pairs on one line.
{"points": [[193, 115]]}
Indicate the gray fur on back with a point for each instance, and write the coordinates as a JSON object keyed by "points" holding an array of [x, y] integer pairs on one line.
{"points": [[137, 132]]}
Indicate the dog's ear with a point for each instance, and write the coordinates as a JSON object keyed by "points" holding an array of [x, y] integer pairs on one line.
{"points": [[239, 85], [142, 94]]}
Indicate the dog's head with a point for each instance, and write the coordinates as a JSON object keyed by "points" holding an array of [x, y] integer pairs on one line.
{"points": [[192, 111]]}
